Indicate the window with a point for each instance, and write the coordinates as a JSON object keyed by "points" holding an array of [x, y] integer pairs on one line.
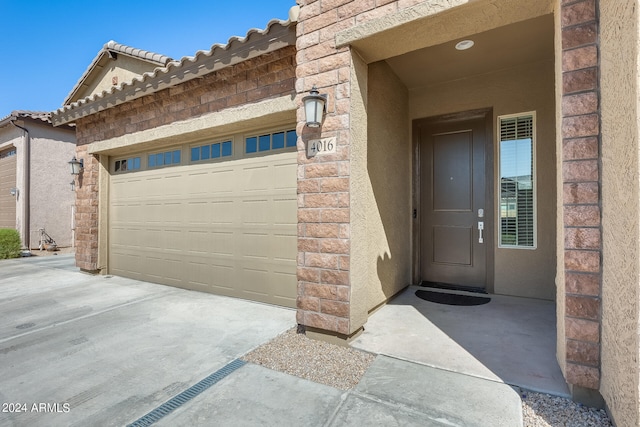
{"points": [[272, 141], [8, 153], [164, 159], [517, 184], [130, 164], [211, 151]]}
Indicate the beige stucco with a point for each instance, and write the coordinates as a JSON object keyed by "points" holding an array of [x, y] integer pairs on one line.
{"points": [[620, 95], [358, 186], [123, 69], [434, 22], [561, 353], [380, 193], [520, 272], [51, 200]]}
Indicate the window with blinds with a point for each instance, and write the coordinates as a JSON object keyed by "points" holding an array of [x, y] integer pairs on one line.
{"points": [[517, 181]]}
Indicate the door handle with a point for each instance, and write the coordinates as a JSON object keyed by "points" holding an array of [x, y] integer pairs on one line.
{"points": [[480, 229]]}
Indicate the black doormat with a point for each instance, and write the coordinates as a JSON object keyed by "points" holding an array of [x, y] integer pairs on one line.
{"points": [[448, 286], [451, 299]]}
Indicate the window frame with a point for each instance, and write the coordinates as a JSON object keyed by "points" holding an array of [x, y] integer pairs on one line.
{"points": [[534, 179], [132, 158], [210, 144], [270, 133]]}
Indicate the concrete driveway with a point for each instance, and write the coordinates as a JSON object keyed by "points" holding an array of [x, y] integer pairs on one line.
{"points": [[83, 350], [99, 350]]}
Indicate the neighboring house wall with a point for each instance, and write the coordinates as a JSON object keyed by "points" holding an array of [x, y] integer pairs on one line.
{"points": [[268, 76], [50, 197], [52, 201], [620, 95]]}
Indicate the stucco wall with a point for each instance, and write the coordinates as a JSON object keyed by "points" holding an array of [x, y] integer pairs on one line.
{"points": [[380, 191], [620, 94], [520, 272], [124, 68], [389, 193], [51, 196]]}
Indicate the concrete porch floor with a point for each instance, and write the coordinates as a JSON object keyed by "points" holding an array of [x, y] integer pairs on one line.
{"points": [[510, 340]]}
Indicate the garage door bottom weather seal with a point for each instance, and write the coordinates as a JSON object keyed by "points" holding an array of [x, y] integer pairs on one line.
{"points": [[182, 398]]}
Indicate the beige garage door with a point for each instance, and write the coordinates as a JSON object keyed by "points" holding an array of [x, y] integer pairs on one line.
{"points": [[227, 227], [7, 182]]}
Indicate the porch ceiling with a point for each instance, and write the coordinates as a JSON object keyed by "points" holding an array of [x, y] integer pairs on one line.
{"points": [[501, 48]]}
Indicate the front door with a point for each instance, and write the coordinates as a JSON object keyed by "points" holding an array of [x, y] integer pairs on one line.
{"points": [[453, 220]]}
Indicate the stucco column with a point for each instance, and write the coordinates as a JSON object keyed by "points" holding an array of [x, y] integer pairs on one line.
{"points": [[620, 98]]}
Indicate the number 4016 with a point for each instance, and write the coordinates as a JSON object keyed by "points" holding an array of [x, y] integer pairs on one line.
{"points": [[321, 146]]}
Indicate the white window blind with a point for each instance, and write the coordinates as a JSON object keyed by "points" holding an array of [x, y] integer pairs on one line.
{"points": [[517, 186]]}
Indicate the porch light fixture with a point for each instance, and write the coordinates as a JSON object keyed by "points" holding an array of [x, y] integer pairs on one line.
{"points": [[76, 166], [73, 185], [464, 44], [314, 107]]}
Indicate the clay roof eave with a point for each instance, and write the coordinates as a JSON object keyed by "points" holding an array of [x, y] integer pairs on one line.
{"points": [[277, 35]]}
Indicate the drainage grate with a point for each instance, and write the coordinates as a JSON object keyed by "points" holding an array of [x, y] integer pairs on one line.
{"points": [[182, 398]]}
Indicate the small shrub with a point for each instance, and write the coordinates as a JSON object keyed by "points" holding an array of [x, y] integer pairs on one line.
{"points": [[9, 243]]}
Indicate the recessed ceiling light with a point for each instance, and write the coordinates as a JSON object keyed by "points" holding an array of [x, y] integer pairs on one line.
{"points": [[464, 44]]}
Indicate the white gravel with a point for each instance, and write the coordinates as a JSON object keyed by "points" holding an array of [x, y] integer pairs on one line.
{"points": [[343, 367], [543, 410]]}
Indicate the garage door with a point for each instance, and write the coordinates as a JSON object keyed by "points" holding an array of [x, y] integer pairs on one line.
{"points": [[7, 182], [226, 225]]}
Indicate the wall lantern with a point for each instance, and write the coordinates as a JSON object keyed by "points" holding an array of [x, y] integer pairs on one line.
{"points": [[314, 107], [73, 185], [76, 166], [14, 191]]}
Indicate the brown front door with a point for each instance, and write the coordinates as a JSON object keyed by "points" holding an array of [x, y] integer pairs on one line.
{"points": [[454, 226]]}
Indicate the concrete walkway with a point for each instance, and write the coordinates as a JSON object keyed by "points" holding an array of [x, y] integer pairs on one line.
{"points": [[77, 349]]}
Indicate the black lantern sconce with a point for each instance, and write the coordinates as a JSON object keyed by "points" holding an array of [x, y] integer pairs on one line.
{"points": [[314, 107], [76, 166]]}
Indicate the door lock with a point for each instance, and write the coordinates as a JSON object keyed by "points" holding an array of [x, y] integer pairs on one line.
{"points": [[480, 229]]}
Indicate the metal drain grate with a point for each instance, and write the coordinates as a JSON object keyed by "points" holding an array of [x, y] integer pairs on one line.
{"points": [[182, 398]]}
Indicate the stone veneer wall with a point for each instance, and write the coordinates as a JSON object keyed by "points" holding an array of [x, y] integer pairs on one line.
{"points": [[581, 192], [324, 182], [268, 76]]}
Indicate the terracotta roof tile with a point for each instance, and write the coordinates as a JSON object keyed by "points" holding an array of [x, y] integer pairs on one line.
{"points": [[172, 66]]}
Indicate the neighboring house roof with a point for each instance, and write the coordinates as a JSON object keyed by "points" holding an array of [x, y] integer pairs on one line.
{"points": [[25, 114], [276, 35], [110, 51]]}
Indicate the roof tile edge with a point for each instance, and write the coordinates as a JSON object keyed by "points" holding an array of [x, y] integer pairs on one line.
{"points": [[63, 115]]}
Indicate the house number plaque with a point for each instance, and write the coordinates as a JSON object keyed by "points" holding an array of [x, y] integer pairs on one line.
{"points": [[318, 147]]}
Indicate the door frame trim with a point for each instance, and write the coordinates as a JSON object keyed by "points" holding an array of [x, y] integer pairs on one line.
{"points": [[487, 115]]}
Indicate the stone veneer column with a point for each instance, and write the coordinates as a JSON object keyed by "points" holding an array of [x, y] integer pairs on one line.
{"points": [[86, 218], [323, 181], [581, 191]]}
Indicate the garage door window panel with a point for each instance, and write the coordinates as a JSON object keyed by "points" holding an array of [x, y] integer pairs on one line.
{"points": [[168, 158], [270, 142], [125, 165], [213, 151]]}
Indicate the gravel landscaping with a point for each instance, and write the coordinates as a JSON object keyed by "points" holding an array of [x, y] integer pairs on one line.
{"points": [[343, 367], [321, 362]]}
